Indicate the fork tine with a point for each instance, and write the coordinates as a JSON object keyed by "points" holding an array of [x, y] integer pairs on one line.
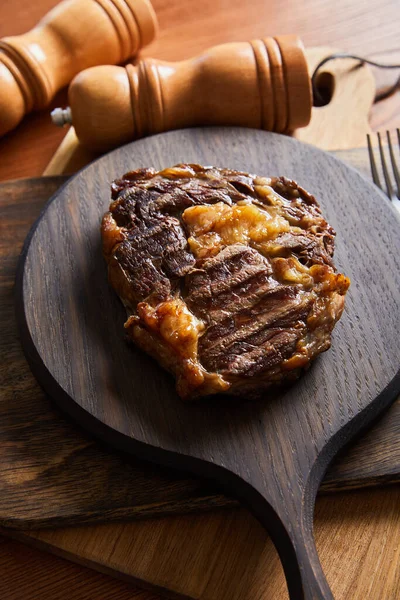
{"points": [[394, 165], [389, 187], [374, 170]]}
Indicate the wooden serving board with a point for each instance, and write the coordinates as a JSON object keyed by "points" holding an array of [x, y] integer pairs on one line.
{"points": [[44, 458], [271, 455]]}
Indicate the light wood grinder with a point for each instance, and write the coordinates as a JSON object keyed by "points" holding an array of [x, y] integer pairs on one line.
{"points": [[75, 35], [263, 84]]}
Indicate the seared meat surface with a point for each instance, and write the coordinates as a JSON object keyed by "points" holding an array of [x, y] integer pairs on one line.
{"points": [[227, 278]]}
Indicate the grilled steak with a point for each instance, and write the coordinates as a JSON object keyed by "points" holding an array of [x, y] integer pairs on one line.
{"points": [[227, 277]]}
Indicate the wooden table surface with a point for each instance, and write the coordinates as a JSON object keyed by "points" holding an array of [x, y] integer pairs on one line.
{"points": [[186, 28]]}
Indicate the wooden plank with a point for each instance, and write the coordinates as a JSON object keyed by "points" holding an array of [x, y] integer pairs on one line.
{"points": [[30, 574], [227, 555]]}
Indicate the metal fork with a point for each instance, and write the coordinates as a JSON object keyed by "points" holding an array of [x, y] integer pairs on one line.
{"points": [[393, 195]]}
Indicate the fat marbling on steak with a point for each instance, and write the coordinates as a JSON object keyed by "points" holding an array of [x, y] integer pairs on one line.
{"points": [[227, 277]]}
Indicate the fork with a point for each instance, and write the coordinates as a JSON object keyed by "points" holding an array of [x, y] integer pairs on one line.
{"points": [[393, 195]]}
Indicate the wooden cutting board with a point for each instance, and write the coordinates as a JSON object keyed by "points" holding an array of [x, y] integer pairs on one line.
{"points": [[38, 481], [271, 455], [47, 476]]}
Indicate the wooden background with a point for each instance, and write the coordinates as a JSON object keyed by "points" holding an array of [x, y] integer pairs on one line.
{"points": [[187, 27]]}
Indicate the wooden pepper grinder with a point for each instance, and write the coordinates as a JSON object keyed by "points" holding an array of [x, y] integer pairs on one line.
{"points": [[75, 35], [263, 84]]}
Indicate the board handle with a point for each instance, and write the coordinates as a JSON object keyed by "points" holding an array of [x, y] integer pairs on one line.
{"points": [[310, 582], [291, 530]]}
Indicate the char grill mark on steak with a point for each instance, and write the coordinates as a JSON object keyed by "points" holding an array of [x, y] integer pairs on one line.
{"points": [[279, 308], [154, 253], [239, 322], [248, 363], [220, 279], [256, 300], [133, 208]]}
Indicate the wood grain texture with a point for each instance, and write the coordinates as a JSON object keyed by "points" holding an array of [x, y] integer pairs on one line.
{"points": [[343, 122], [47, 577], [188, 27], [39, 482], [296, 434], [69, 157], [233, 559]]}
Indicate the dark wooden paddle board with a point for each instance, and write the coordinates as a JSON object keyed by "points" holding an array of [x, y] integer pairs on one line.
{"points": [[270, 454], [45, 459]]}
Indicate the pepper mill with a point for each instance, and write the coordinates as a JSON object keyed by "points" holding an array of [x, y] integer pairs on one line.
{"points": [[263, 84], [75, 35]]}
